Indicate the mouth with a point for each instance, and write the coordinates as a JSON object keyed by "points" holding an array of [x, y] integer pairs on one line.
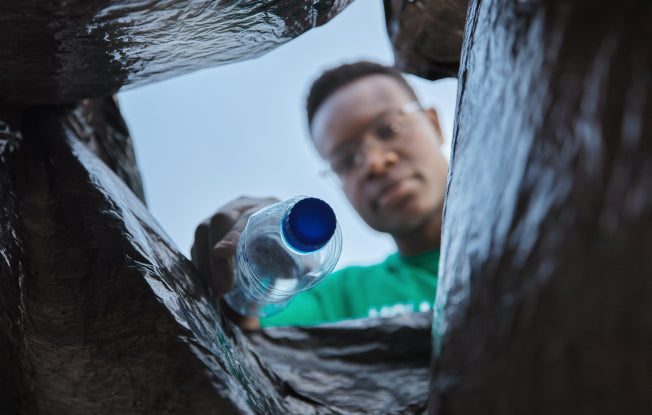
{"points": [[394, 192]]}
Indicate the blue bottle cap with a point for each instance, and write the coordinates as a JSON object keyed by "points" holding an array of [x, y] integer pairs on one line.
{"points": [[309, 225]]}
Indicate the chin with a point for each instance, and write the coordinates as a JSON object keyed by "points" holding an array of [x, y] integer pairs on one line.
{"points": [[400, 223], [409, 208], [406, 214], [411, 216]]}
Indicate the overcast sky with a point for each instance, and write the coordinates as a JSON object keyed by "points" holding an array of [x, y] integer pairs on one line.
{"points": [[205, 138]]}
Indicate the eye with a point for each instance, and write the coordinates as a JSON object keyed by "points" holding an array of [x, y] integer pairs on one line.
{"points": [[344, 163], [388, 130]]}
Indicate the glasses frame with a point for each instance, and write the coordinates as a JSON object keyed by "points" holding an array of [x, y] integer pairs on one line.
{"points": [[406, 109]]}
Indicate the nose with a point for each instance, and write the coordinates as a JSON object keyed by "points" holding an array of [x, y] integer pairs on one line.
{"points": [[378, 160]]}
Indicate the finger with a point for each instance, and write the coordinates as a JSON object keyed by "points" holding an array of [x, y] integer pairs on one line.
{"points": [[219, 225], [206, 234], [222, 221], [224, 252], [216, 241], [199, 254], [222, 276]]}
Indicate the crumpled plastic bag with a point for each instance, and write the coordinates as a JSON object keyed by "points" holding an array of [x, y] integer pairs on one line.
{"points": [[65, 51], [102, 314], [426, 35]]}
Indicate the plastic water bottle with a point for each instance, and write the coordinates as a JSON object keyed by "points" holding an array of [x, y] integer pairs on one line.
{"points": [[285, 248]]}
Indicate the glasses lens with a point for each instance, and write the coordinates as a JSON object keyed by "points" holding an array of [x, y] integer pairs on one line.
{"points": [[384, 131]]}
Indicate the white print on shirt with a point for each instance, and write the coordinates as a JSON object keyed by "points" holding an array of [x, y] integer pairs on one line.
{"points": [[397, 309]]}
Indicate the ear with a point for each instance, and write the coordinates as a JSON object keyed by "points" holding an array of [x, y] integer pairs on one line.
{"points": [[431, 113]]}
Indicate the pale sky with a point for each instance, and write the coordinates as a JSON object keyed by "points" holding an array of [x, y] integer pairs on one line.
{"points": [[206, 138]]}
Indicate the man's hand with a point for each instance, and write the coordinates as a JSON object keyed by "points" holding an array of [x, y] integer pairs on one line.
{"points": [[214, 249]]}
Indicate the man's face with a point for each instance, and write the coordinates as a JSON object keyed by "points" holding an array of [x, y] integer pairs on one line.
{"points": [[388, 159]]}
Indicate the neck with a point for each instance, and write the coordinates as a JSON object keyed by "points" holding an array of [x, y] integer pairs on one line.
{"points": [[419, 241]]}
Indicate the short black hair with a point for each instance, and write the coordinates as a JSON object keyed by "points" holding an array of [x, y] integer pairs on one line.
{"points": [[335, 78]]}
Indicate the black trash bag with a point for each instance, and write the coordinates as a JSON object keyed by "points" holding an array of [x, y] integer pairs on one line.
{"points": [[361, 366], [544, 302], [101, 314], [99, 123], [426, 35], [65, 51]]}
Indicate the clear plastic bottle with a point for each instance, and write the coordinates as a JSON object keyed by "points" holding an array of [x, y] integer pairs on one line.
{"points": [[285, 248]]}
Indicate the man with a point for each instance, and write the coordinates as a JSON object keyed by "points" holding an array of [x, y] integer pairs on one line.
{"points": [[365, 120]]}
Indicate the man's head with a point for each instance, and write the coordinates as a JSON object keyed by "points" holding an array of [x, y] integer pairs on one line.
{"points": [[365, 121]]}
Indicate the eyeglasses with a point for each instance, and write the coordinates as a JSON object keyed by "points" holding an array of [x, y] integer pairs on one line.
{"points": [[387, 130]]}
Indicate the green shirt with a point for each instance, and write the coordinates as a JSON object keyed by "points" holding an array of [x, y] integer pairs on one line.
{"points": [[397, 285]]}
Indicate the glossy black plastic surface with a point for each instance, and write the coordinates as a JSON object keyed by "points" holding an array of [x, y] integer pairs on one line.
{"points": [[65, 51]]}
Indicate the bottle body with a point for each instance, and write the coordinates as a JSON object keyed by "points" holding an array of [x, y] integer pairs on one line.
{"points": [[270, 269]]}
